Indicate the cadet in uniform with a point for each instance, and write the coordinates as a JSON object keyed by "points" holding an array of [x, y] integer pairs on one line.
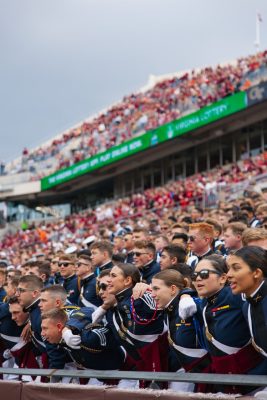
{"points": [[247, 274], [87, 279], [137, 324], [89, 345], [70, 281], [227, 336], [144, 256], [185, 336], [101, 254], [28, 293]]}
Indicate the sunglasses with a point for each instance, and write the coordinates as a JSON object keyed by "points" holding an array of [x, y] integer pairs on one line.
{"points": [[204, 274], [191, 238], [78, 264], [64, 264], [102, 286], [138, 253], [22, 290]]}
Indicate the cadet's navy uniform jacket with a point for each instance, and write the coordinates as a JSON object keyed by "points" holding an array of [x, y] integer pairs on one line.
{"points": [[57, 279], [99, 349], [130, 334], [255, 311], [56, 358], [148, 271], [193, 259], [225, 321], [9, 331], [129, 259], [184, 338], [103, 267], [88, 296], [70, 284], [226, 330], [2, 294]]}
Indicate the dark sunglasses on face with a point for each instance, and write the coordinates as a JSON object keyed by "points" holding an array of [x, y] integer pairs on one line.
{"points": [[138, 253], [191, 238], [204, 274], [102, 286], [78, 264], [64, 264]]}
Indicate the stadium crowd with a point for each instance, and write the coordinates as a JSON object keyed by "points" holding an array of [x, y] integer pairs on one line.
{"points": [[113, 287], [137, 113], [176, 195]]}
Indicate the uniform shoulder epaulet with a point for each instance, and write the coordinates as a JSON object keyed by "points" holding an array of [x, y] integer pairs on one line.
{"points": [[91, 326]]}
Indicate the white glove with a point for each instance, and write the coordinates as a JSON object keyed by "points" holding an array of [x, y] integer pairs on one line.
{"points": [[71, 340], [98, 315], [7, 354], [187, 307]]}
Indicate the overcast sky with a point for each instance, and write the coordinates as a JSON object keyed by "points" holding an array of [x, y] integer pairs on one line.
{"points": [[63, 60]]}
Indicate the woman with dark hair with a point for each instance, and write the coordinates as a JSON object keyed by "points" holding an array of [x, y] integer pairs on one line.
{"points": [[227, 337], [137, 323], [185, 338], [247, 274]]}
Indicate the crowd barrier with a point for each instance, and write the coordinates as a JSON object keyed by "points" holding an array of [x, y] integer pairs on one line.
{"points": [[18, 390]]}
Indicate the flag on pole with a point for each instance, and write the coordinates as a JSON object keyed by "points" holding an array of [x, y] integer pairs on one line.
{"points": [[259, 17]]}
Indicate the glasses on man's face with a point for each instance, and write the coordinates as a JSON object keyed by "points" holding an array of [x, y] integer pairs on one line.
{"points": [[138, 253], [203, 274], [102, 286], [191, 238], [78, 264], [22, 290], [54, 262], [64, 264]]}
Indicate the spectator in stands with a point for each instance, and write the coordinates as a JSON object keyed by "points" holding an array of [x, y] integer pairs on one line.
{"points": [[200, 238], [261, 212], [42, 270], [140, 234], [144, 256], [52, 297], [218, 244], [101, 254], [87, 279], [255, 237], [227, 336], [2, 283], [66, 264], [28, 291], [160, 242], [128, 247], [118, 244], [253, 222], [172, 255], [233, 235], [180, 239]]}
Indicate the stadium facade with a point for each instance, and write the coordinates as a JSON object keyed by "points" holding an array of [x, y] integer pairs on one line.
{"points": [[227, 131]]}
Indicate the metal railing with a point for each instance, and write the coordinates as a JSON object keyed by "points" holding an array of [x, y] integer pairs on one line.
{"points": [[221, 379]]}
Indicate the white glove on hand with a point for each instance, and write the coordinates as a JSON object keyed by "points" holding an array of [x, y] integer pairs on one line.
{"points": [[98, 315], [7, 354], [71, 340], [187, 307]]}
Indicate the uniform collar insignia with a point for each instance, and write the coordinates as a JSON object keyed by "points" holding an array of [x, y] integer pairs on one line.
{"points": [[123, 295], [87, 279], [70, 278], [32, 306]]}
